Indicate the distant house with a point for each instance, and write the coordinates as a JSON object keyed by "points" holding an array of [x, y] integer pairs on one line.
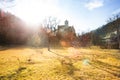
{"points": [[114, 41], [111, 41]]}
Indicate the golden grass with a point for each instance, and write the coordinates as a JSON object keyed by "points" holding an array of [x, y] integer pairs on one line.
{"points": [[59, 64]]}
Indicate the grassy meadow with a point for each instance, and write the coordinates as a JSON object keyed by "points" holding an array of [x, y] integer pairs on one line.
{"points": [[27, 63]]}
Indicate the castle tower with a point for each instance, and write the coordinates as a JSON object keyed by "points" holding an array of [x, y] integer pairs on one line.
{"points": [[66, 23]]}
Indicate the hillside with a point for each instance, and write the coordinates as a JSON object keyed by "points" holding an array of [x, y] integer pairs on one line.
{"points": [[108, 35], [12, 29]]}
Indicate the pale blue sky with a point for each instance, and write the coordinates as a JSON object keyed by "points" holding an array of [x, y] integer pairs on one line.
{"points": [[84, 15]]}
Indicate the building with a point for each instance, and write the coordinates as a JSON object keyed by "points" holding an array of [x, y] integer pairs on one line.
{"points": [[111, 41], [66, 33], [64, 30]]}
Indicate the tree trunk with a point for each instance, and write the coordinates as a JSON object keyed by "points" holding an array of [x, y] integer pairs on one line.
{"points": [[118, 36], [48, 44]]}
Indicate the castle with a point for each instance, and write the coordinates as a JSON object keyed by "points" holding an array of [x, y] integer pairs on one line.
{"points": [[66, 34], [64, 30]]}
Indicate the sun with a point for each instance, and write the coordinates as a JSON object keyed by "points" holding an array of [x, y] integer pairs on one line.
{"points": [[34, 11]]}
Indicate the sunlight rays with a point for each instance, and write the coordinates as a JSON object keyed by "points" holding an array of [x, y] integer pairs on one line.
{"points": [[33, 12]]}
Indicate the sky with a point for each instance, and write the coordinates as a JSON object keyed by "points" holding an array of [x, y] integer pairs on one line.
{"points": [[84, 15]]}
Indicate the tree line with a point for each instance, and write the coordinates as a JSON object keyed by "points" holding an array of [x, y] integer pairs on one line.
{"points": [[106, 36], [14, 31]]}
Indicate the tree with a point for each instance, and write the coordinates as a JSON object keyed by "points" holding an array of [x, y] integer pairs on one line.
{"points": [[114, 24], [50, 24], [12, 30], [4, 4], [86, 39]]}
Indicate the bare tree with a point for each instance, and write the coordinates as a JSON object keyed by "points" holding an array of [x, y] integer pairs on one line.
{"points": [[50, 24]]}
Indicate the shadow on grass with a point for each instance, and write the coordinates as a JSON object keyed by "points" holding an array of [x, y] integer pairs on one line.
{"points": [[114, 70], [3, 48], [67, 64], [13, 75], [7, 47], [56, 53], [116, 55]]}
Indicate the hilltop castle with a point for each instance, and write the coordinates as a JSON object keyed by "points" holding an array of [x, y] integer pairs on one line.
{"points": [[65, 30], [66, 34]]}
